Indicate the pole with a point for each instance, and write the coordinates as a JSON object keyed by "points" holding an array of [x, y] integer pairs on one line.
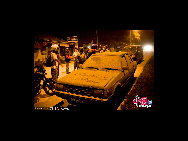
{"points": [[130, 37], [97, 37]]}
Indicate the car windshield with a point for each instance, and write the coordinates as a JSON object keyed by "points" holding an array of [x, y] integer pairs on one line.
{"points": [[126, 50], [103, 62], [131, 49]]}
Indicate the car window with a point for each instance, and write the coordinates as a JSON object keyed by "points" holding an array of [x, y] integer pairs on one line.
{"points": [[133, 49], [140, 48], [128, 59], [124, 62], [126, 49], [103, 61]]}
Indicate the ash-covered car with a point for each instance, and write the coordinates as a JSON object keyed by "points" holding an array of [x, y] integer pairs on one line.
{"points": [[136, 51], [99, 80]]}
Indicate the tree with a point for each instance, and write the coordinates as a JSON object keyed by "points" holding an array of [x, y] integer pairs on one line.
{"points": [[136, 37]]}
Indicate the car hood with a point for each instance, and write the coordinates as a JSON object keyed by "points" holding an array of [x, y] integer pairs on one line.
{"points": [[88, 78]]}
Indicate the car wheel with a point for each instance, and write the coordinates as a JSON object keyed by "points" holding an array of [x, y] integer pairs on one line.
{"points": [[49, 86], [37, 90], [141, 60], [114, 101]]}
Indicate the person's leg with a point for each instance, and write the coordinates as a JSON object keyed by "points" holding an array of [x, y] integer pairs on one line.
{"points": [[67, 67], [54, 73], [74, 64]]}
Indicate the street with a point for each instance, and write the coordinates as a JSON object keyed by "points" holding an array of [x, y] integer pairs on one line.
{"points": [[140, 66], [45, 100], [147, 56]]}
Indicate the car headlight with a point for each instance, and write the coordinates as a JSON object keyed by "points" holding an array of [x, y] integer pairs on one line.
{"points": [[59, 86], [148, 48], [98, 93]]}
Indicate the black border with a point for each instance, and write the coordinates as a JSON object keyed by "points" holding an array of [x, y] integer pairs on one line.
{"points": [[103, 23]]}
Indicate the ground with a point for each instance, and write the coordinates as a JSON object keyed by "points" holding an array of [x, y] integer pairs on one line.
{"points": [[45, 100]]}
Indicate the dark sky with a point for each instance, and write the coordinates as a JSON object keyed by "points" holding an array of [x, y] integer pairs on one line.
{"points": [[147, 36]]}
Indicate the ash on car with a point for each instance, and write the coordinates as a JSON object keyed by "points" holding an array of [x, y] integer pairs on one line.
{"points": [[99, 81]]}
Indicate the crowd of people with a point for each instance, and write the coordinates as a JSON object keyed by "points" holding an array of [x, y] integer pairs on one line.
{"points": [[79, 57]]}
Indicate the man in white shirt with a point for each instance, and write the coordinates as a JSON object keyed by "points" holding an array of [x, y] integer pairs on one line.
{"points": [[76, 62], [54, 60]]}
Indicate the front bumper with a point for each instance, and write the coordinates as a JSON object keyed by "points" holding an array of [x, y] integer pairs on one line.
{"points": [[80, 99]]}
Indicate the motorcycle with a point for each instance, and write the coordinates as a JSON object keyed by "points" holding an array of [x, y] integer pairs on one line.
{"points": [[41, 82]]}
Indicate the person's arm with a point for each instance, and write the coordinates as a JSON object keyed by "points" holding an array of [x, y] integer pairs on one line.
{"points": [[59, 62], [56, 59], [73, 54]]}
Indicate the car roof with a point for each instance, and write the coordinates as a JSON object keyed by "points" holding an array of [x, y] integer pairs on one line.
{"points": [[133, 46], [110, 54]]}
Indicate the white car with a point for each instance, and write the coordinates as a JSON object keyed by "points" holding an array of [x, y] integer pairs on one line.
{"points": [[99, 80]]}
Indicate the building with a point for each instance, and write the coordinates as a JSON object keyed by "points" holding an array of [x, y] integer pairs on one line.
{"points": [[43, 44], [73, 43], [42, 47]]}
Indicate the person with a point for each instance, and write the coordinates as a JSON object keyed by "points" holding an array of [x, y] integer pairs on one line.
{"points": [[54, 65], [82, 58], [101, 51], [107, 50], [76, 55], [90, 52], [87, 52], [67, 60]]}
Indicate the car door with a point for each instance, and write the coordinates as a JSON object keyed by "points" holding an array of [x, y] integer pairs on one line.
{"points": [[126, 72], [140, 52], [130, 63]]}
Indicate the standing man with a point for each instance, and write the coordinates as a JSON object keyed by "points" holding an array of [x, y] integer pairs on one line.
{"points": [[76, 62], [107, 50], [67, 60], [54, 65]]}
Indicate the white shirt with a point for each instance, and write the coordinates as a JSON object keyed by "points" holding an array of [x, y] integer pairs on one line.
{"points": [[75, 54], [53, 57]]}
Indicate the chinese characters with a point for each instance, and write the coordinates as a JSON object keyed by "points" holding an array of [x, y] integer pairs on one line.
{"points": [[143, 102]]}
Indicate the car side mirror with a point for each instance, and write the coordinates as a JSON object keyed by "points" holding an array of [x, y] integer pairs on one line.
{"points": [[125, 68]]}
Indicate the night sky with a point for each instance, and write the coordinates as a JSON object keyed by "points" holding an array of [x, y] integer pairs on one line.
{"points": [[147, 36]]}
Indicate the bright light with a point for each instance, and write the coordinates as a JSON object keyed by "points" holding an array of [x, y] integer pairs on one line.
{"points": [[148, 48], [54, 46]]}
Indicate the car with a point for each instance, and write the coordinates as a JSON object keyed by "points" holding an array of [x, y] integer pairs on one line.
{"points": [[99, 80], [136, 51]]}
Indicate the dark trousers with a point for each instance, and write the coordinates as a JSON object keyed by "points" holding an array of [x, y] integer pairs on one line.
{"points": [[76, 64], [54, 73], [67, 67]]}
